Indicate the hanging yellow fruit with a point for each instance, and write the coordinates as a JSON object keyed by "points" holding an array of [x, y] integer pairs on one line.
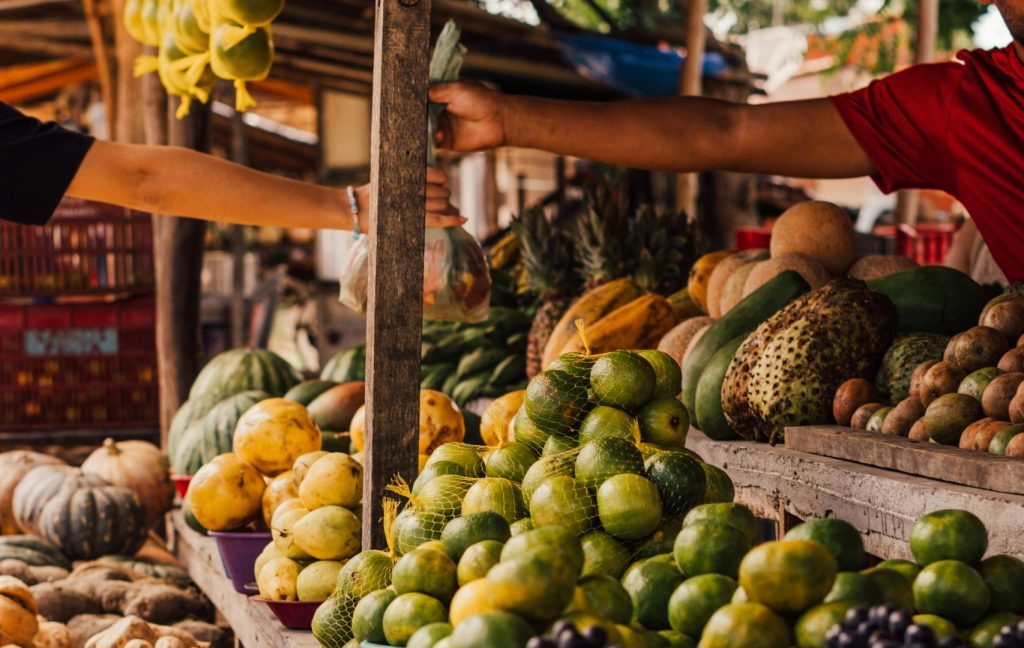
{"points": [[250, 12], [247, 59], [133, 19], [188, 35]]}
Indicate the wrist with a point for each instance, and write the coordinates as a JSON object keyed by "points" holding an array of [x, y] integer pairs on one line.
{"points": [[509, 109]]}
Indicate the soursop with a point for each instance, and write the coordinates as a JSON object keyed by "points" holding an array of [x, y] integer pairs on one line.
{"points": [[906, 352], [787, 371]]}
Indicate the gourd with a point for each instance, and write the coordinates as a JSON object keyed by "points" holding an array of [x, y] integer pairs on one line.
{"points": [[41, 485], [137, 465], [94, 520], [14, 466], [18, 610]]}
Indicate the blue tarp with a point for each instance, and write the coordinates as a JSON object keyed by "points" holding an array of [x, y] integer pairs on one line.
{"points": [[637, 70]]}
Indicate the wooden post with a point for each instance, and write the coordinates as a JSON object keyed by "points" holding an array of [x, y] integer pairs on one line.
{"points": [[128, 124], [394, 312], [690, 85], [94, 20], [178, 261], [908, 200], [239, 154]]}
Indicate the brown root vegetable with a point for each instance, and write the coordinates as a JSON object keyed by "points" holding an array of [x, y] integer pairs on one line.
{"points": [[850, 396], [31, 575], [860, 418], [984, 435], [63, 600], [917, 431], [995, 402], [138, 643], [122, 632], [53, 635], [979, 347], [18, 611], [214, 635], [902, 417], [1006, 317], [941, 378], [84, 626], [1012, 361], [949, 354], [159, 603], [967, 438]]}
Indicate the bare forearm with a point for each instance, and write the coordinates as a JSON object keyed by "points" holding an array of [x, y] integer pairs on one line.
{"points": [[692, 134], [183, 182]]}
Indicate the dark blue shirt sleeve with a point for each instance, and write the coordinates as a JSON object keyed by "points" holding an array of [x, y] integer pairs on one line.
{"points": [[38, 161]]}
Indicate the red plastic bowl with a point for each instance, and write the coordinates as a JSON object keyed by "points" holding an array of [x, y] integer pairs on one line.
{"points": [[294, 615], [238, 551], [181, 483]]}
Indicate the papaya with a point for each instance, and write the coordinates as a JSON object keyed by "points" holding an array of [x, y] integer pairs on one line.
{"points": [[591, 307], [709, 415], [740, 321], [933, 299], [640, 324], [684, 305]]}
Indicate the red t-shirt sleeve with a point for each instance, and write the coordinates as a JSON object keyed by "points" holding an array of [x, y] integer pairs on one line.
{"points": [[901, 123]]}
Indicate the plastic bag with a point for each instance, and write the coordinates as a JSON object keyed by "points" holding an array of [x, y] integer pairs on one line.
{"points": [[456, 279]]}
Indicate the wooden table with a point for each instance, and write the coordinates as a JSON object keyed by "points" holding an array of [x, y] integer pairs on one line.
{"points": [[789, 486], [254, 624]]}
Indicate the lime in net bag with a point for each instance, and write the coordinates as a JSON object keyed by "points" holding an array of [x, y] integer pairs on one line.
{"points": [[456, 276]]}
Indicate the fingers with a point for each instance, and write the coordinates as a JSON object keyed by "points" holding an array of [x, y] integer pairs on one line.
{"points": [[444, 220], [438, 191], [444, 92], [436, 176], [438, 205]]}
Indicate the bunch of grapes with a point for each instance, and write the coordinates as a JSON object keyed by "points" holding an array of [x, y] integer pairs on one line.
{"points": [[565, 635], [1010, 637], [884, 626]]}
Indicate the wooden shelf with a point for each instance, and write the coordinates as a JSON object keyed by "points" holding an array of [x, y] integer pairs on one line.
{"points": [[254, 624], [789, 486]]}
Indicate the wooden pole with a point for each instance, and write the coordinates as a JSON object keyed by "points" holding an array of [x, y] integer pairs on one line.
{"points": [[240, 154], [691, 85], [102, 55], [128, 122], [908, 201], [394, 312]]}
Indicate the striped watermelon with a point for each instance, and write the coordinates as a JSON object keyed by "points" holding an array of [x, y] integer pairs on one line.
{"points": [[346, 366], [239, 370], [212, 435], [179, 424]]}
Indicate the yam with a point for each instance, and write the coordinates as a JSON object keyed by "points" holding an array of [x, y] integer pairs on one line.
{"points": [[85, 626], [62, 601], [53, 635], [31, 575], [159, 603]]}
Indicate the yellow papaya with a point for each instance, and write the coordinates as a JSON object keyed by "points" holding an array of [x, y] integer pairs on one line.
{"points": [[700, 275], [638, 325], [591, 308]]}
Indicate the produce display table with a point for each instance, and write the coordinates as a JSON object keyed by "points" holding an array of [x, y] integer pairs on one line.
{"points": [[254, 624], [790, 486]]}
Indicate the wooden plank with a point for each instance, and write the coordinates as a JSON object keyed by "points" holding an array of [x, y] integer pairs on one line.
{"points": [[946, 463], [881, 504], [394, 314], [254, 624]]}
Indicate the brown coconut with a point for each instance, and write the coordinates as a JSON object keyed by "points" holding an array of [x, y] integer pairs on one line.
{"points": [[995, 401], [720, 276], [863, 414], [1015, 448], [942, 378], [874, 266], [1017, 406], [917, 378], [818, 230], [676, 340], [850, 396], [1012, 361], [967, 438], [813, 272], [917, 431]]}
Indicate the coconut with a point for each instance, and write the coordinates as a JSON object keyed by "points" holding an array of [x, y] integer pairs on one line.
{"points": [[813, 272], [818, 230]]}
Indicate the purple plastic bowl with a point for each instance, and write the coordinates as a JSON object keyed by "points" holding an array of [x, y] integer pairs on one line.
{"points": [[294, 615], [238, 551]]}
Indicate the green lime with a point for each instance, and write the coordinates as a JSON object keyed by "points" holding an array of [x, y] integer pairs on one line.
{"points": [[605, 421], [720, 488], [521, 526], [669, 377], [856, 588], [462, 532], [664, 422], [527, 432], [368, 617], [710, 548], [477, 560], [463, 455], [908, 569], [496, 495], [563, 501], [736, 516], [603, 554], [788, 576], [750, 625], [554, 402], [429, 635], [839, 537], [629, 506], [434, 470], [623, 379], [511, 461], [896, 589], [603, 458], [814, 624], [607, 598], [949, 534], [650, 587], [953, 590], [426, 572], [941, 627], [1005, 578], [696, 599], [983, 635], [410, 612], [491, 629], [557, 444]]}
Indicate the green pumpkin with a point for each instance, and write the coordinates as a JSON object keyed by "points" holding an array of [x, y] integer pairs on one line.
{"points": [[39, 487], [174, 573], [32, 551], [239, 370], [251, 12], [237, 58], [347, 366], [92, 521]]}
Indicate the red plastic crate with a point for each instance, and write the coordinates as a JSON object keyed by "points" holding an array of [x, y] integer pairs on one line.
{"points": [[78, 366], [926, 244], [753, 238], [86, 248]]}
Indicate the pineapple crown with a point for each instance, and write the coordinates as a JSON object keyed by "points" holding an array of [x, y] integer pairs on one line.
{"points": [[547, 255]]}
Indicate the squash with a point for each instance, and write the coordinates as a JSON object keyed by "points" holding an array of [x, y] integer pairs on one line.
{"points": [[32, 551], [273, 434], [226, 494], [13, 466], [700, 277], [18, 611], [137, 465], [590, 307], [41, 485], [163, 571], [280, 488], [213, 434], [87, 522]]}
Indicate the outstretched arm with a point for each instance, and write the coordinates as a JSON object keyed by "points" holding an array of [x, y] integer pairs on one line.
{"points": [[169, 180], [684, 134]]}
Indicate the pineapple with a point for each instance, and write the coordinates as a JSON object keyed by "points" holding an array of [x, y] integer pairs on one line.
{"points": [[548, 262]]}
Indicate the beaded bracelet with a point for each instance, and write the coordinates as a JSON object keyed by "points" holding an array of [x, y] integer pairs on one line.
{"points": [[354, 206]]}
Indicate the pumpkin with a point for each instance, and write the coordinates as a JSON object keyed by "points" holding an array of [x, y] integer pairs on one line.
{"points": [[32, 551], [274, 433], [239, 370], [87, 522], [212, 435], [18, 611], [226, 494], [41, 485], [137, 465], [13, 466], [280, 488]]}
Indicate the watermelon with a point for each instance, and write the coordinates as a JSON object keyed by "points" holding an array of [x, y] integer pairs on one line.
{"points": [[239, 370], [347, 366], [213, 434]]}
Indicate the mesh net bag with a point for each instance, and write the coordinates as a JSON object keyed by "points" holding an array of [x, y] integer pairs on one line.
{"points": [[365, 573]]}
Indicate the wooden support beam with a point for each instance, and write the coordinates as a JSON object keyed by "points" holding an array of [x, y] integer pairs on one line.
{"points": [[394, 314], [101, 55], [47, 81], [690, 86], [129, 125], [908, 201]]}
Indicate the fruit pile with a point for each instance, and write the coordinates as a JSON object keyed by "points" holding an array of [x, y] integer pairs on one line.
{"points": [[884, 626], [566, 635], [965, 390]]}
